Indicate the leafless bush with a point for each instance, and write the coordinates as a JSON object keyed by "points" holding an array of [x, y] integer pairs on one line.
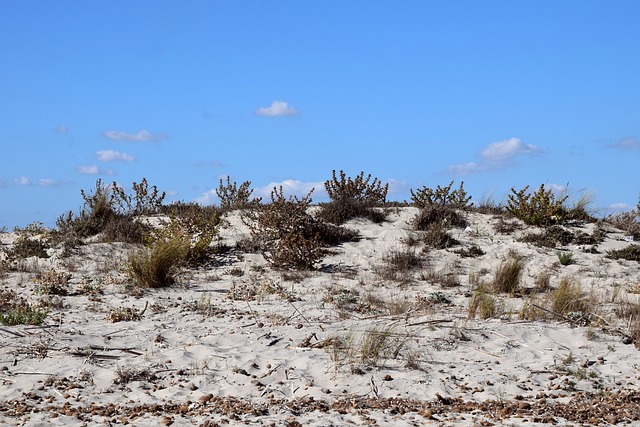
{"points": [[441, 196]]}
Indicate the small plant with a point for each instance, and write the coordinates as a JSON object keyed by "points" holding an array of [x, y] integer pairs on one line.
{"points": [[472, 251], [158, 266], [353, 198], [565, 258], [539, 208], [53, 282], [22, 314], [398, 265], [437, 237], [443, 216], [630, 253], [568, 298], [507, 278], [482, 304], [378, 344], [441, 196], [233, 197], [124, 314], [26, 247]]}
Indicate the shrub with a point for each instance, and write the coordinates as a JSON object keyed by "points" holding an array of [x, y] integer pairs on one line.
{"points": [[231, 197], [353, 198], [539, 208], [287, 233], [630, 253], [441, 196], [22, 314], [25, 247], [438, 238], [158, 266], [446, 216], [144, 201], [507, 278]]}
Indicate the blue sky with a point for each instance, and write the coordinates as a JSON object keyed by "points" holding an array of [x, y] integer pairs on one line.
{"points": [[499, 94]]}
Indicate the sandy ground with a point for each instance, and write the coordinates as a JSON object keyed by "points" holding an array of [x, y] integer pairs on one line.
{"points": [[240, 343]]}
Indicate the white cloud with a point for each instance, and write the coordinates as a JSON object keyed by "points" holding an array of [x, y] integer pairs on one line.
{"points": [[395, 186], [113, 156], [277, 109], [495, 156], [60, 129], [504, 150], [465, 168], [211, 164], [48, 182], [142, 136], [94, 170], [627, 143], [619, 207], [23, 180]]}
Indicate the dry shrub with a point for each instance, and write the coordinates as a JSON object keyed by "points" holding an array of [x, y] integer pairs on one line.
{"points": [[26, 247], [287, 233], [627, 222], [15, 310], [549, 237], [233, 197], [507, 278], [158, 266], [437, 237], [53, 282], [472, 251], [442, 196], [353, 198], [630, 253], [445, 216]]}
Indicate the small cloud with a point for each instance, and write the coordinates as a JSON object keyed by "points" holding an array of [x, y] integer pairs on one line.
{"points": [[495, 156], [626, 143], [465, 168], [94, 170], [207, 198], [142, 136], [48, 182], [277, 109], [619, 207], [113, 156], [60, 129], [504, 150], [23, 180]]}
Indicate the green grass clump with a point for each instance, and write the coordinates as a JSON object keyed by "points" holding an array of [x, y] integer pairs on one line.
{"points": [[22, 314], [565, 258]]}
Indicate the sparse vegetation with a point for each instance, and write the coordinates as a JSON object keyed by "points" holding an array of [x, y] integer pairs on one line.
{"points": [[539, 208], [630, 253], [568, 298], [353, 198], [565, 258], [507, 278], [398, 265], [233, 197], [442, 196], [482, 304], [286, 231]]}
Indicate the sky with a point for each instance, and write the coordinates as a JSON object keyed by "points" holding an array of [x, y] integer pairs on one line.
{"points": [[498, 94]]}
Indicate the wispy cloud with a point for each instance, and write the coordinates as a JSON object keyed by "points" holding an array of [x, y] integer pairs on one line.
{"points": [[60, 129], [23, 180], [94, 170], [277, 109], [496, 155], [627, 143], [141, 136], [48, 182], [113, 156]]}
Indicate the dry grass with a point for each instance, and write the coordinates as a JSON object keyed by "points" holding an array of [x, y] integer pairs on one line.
{"points": [[158, 266], [398, 265], [507, 278], [568, 297], [482, 304]]}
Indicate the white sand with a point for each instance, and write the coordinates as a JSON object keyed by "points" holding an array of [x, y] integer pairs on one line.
{"points": [[194, 340]]}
